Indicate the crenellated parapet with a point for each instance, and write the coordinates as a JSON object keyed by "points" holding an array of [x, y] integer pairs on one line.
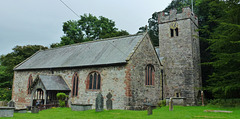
{"points": [[186, 13]]}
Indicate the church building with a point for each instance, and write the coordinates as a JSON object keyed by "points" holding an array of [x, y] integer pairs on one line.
{"points": [[127, 67]]}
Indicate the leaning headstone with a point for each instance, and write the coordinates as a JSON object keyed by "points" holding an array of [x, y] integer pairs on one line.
{"points": [[149, 110], [99, 102], [170, 104], [11, 104], [109, 101]]}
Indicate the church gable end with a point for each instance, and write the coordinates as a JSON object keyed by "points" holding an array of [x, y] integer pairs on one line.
{"points": [[136, 89]]}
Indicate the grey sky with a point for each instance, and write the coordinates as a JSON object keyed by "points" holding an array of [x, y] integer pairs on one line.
{"points": [[39, 22]]}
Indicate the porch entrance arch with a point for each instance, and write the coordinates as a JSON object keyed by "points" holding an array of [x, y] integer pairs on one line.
{"points": [[45, 89]]}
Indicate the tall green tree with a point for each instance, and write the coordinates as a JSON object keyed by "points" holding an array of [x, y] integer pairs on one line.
{"points": [[88, 28], [8, 62], [225, 48]]}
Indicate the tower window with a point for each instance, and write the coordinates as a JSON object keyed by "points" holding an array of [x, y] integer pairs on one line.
{"points": [[177, 94], [172, 32], [176, 31]]}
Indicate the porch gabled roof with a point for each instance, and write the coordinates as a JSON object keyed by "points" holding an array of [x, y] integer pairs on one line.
{"points": [[52, 82]]}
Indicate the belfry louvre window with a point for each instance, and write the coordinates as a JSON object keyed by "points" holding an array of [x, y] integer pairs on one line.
{"points": [[30, 81], [174, 29], [75, 81], [94, 81], [149, 75]]}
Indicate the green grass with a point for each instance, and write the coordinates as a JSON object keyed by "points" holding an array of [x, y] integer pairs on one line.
{"points": [[179, 112]]}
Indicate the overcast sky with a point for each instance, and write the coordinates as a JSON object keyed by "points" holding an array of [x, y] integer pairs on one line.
{"points": [[39, 22]]}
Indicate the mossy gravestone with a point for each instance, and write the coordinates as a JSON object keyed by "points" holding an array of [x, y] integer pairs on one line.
{"points": [[99, 102], [109, 101], [11, 104]]}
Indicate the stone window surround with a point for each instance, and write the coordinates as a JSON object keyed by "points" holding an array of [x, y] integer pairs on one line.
{"points": [[152, 75], [177, 94], [174, 31], [75, 84], [30, 81], [88, 81]]}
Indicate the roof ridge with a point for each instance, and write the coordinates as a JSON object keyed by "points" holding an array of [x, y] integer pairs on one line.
{"points": [[87, 42]]}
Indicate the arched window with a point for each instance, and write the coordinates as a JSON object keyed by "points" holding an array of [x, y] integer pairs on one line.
{"points": [[149, 75], [174, 29], [75, 81], [30, 81], [94, 81]]}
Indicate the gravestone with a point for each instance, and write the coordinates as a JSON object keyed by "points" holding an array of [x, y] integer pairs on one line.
{"points": [[11, 104], [99, 102], [109, 101], [35, 110], [170, 104], [150, 108]]}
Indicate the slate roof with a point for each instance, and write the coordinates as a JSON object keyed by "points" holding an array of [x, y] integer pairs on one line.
{"points": [[54, 82], [158, 53], [101, 52]]}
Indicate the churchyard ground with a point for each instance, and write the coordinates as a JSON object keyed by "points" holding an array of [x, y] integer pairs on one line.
{"points": [[179, 112]]}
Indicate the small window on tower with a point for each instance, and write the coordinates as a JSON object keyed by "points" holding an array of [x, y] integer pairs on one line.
{"points": [[172, 32], [177, 94], [176, 31]]}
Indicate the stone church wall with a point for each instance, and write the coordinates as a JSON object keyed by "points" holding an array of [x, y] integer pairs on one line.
{"points": [[137, 91], [112, 78]]}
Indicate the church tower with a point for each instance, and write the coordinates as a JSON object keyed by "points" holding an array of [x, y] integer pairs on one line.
{"points": [[179, 47]]}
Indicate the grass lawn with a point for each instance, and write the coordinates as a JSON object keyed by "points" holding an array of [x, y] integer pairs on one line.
{"points": [[179, 112]]}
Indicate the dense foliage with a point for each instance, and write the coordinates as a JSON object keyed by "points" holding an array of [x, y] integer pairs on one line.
{"points": [[88, 28], [8, 62], [225, 48]]}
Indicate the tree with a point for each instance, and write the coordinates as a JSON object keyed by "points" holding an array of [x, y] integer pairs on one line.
{"points": [[88, 28], [225, 48], [8, 62]]}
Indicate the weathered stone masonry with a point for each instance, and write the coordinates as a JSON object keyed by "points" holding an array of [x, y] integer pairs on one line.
{"points": [[125, 81], [112, 81], [140, 93], [181, 55]]}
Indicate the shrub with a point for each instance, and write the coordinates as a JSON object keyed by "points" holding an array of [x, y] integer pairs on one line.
{"points": [[162, 103], [61, 98], [5, 94]]}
